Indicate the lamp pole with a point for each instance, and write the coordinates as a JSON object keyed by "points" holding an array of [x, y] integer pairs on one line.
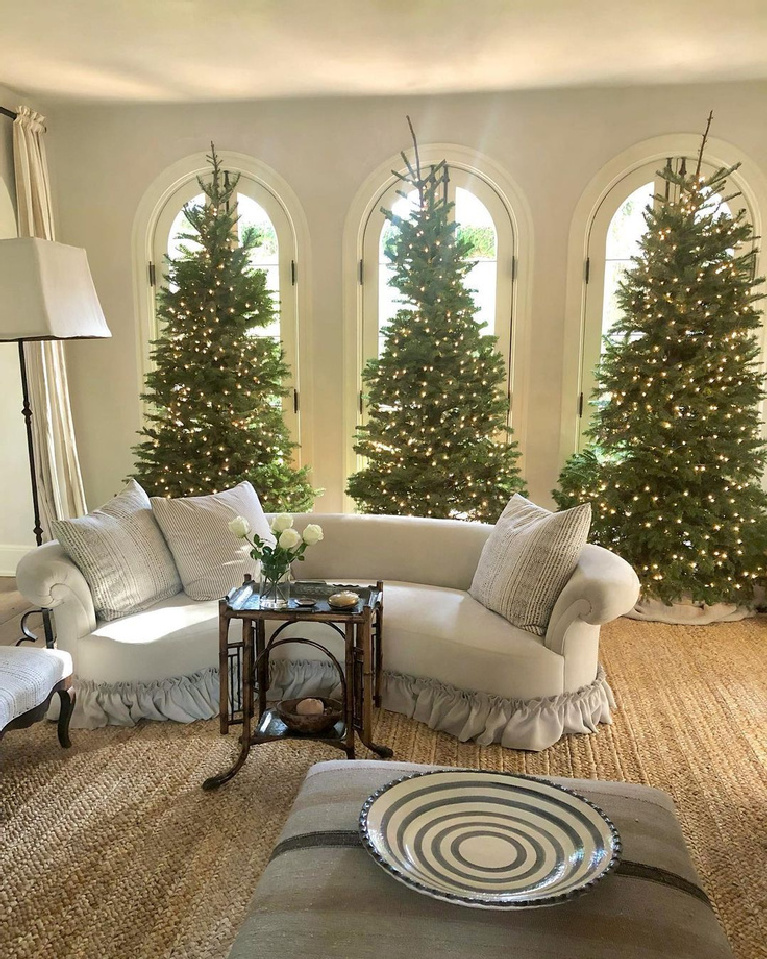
{"points": [[26, 411]]}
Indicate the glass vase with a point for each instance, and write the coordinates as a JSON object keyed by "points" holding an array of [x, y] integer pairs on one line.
{"points": [[274, 589]]}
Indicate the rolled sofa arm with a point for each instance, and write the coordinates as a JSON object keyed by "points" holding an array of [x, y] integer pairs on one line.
{"points": [[602, 588], [47, 577]]}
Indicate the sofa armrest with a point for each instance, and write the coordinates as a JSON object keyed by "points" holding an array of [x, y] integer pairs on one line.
{"points": [[602, 588], [48, 578]]}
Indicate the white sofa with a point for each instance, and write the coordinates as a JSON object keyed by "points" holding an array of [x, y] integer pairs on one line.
{"points": [[448, 660]]}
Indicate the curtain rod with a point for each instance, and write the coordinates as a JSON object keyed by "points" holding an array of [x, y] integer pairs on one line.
{"points": [[8, 113]]}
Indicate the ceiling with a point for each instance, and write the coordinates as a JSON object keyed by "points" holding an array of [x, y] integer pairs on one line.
{"points": [[196, 50]]}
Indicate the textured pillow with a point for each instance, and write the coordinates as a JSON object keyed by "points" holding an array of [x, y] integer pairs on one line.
{"points": [[209, 557], [121, 552], [527, 560]]}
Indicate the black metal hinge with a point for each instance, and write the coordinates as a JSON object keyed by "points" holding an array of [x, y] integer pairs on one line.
{"points": [[361, 403], [152, 275], [361, 272], [580, 404], [293, 273], [587, 271], [296, 404], [513, 268]]}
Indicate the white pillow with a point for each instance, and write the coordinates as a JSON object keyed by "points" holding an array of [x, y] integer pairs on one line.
{"points": [[121, 552], [211, 560], [527, 560]]}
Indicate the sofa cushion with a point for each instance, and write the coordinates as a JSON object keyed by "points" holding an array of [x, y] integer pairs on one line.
{"points": [[527, 560], [428, 631], [444, 634], [27, 677], [122, 554], [174, 638], [211, 560]]}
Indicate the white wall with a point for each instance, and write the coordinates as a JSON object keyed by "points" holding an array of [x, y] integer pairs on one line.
{"points": [[551, 143], [16, 519]]}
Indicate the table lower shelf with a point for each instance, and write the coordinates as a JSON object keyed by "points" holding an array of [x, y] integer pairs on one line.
{"points": [[271, 729]]}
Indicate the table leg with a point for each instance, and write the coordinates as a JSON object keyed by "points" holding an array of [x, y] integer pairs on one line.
{"points": [[366, 693], [223, 671], [378, 655], [263, 666], [213, 782], [349, 705]]}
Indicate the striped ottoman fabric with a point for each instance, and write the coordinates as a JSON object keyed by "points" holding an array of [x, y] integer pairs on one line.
{"points": [[27, 677], [323, 897]]}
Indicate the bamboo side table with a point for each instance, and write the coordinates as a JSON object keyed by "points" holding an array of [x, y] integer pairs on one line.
{"points": [[244, 666]]}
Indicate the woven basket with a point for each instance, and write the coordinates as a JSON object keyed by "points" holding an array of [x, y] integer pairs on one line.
{"points": [[286, 710]]}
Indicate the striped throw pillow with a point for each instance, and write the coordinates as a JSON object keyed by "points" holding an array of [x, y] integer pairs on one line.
{"points": [[121, 552], [211, 560], [527, 560]]}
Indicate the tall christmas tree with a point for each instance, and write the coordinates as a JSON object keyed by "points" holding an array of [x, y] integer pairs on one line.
{"points": [[674, 475], [215, 394], [436, 436]]}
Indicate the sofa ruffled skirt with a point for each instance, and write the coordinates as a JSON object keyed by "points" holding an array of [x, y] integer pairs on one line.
{"points": [[533, 724]]}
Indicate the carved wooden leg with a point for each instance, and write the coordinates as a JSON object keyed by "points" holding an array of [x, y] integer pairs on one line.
{"points": [[67, 697]]}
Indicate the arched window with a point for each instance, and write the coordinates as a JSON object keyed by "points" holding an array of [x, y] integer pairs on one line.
{"points": [[261, 209], [613, 237], [481, 216]]}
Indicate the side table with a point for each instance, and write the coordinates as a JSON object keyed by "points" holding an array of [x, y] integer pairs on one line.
{"points": [[244, 666]]}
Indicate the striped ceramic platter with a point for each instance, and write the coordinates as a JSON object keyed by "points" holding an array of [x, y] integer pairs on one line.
{"points": [[490, 840]]}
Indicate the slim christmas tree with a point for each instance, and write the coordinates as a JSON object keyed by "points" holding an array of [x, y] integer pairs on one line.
{"points": [[215, 392], [674, 476], [436, 439]]}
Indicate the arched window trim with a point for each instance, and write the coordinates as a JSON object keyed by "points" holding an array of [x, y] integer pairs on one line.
{"points": [[364, 215], [175, 186], [618, 175]]}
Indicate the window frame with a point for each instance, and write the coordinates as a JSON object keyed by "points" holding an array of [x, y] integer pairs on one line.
{"points": [[510, 213], [161, 204]]}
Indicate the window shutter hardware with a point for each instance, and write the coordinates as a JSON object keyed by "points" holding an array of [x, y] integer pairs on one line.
{"points": [[361, 403], [587, 270], [513, 268], [580, 405], [152, 274], [361, 273], [293, 272], [296, 404]]}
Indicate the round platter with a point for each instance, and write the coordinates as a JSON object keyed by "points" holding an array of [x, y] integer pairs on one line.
{"points": [[489, 840]]}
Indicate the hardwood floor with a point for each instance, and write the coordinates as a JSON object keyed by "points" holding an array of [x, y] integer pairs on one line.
{"points": [[12, 606]]}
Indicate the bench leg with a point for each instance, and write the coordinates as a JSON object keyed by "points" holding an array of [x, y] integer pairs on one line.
{"points": [[67, 697]]}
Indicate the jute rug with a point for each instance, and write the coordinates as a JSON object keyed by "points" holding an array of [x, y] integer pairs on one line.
{"points": [[112, 850]]}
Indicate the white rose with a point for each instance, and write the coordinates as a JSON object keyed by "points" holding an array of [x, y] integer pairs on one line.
{"points": [[289, 539], [239, 526], [313, 534], [281, 522]]}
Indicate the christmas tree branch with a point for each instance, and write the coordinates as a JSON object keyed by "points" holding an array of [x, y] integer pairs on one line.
{"points": [[703, 144]]}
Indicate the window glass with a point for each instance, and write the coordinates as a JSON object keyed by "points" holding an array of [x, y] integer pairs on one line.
{"points": [[252, 216], [626, 229], [476, 225]]}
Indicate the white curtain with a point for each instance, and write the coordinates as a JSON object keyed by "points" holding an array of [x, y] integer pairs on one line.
{"points": [[59, 482]]}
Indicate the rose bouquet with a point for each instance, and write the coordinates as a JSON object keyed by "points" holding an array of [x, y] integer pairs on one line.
{"points": [[276, 558]]}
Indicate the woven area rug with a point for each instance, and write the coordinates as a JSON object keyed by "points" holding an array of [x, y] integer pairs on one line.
{"points": [[112, 850]]}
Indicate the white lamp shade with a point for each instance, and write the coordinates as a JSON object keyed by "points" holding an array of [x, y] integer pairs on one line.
{"points": [[46, 292]]}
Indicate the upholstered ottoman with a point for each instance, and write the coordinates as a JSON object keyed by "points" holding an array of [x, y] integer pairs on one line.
{"points": [[323, 897], [28, 680]]}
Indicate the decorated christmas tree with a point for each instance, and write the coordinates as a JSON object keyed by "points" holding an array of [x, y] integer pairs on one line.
{"points": [[215, 391], [674, 472], [436, 441]]}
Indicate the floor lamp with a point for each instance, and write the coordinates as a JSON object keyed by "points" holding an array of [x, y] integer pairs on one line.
{"points": [[46, 293]]}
